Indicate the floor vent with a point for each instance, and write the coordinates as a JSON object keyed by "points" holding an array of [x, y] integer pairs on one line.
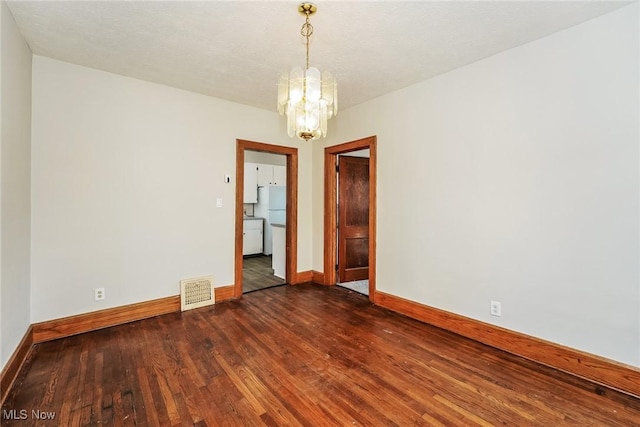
{"points": [[196, 292]]}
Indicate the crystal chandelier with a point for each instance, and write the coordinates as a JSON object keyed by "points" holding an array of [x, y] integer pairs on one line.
{"points": [[308, 98]]}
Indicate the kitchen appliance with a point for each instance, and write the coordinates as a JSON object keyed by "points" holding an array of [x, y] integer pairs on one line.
{"points": [[272, 205], [277, 204]]}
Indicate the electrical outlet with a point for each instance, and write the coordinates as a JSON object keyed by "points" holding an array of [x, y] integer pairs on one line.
{"points": [[218, 202], [496, 308], [99, 294]]}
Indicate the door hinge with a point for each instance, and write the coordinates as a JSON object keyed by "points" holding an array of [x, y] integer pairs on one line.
{"points": [[337, 168], [336, 267]]}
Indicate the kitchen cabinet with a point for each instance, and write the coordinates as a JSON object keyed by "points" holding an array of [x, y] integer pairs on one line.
{"points": [[252, 230], [271, 175], [265, 175], [279, 175], [250, 194]]}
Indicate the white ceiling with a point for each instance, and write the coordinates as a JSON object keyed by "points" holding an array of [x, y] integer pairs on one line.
{"points": [[236, 50]]}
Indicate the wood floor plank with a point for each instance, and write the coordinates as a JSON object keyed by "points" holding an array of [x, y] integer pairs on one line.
{"points": [[300, 355]]}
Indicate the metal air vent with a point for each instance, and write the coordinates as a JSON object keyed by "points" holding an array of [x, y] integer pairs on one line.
{"points": [[196, 292]]}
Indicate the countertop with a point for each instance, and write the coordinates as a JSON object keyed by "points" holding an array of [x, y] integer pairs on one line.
{"points": [[251, 218], [275, 224]]}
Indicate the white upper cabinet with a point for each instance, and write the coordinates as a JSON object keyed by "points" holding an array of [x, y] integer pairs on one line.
{"points": [[279, 175], [265, 175], [271, 175], [250, 183]]}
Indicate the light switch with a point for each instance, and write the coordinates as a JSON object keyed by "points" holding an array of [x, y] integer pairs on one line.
{"points": [[218, 202], [227, 178]]}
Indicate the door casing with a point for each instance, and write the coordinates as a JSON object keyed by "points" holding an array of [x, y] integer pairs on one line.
{"points": [[291, 251], [330, 208]]}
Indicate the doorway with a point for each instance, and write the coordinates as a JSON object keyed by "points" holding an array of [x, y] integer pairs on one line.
{"points": [[291, 203], [264, 211], [365, 240]]}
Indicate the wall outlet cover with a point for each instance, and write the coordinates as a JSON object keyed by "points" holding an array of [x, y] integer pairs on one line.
{"points": [[496, 308]]}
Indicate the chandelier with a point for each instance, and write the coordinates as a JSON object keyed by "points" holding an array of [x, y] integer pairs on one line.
{"points": [[307, 97]]}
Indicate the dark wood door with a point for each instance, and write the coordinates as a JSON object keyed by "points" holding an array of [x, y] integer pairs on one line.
{"points": [[353, 218]]}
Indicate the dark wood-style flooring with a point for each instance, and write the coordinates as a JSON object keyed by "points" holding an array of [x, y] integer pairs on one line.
{"points": [[257, 273], [299, 355]]}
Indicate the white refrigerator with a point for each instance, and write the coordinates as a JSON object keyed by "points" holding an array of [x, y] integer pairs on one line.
{"points": [[272, 204], [278, 204]]}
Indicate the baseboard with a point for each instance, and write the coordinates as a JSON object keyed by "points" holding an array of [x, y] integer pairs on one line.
{"points": [[317, 277], [224, 293], [597, 369], [303, 277], [73, 325], [15, 362], [67, 326]]}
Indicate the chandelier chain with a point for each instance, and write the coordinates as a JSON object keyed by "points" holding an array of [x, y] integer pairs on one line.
{"points": [[306, 31]]}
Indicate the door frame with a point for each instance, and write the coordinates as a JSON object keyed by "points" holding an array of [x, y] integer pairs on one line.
{"points": [[291, 251], [330, 208]]}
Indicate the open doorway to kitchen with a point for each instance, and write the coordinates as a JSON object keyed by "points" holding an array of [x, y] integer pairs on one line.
{"points": [[287, 219], [350, 228], [264, 220]]}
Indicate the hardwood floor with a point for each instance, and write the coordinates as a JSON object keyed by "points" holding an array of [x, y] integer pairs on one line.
{"points": [[257, 273], [298, 355]]}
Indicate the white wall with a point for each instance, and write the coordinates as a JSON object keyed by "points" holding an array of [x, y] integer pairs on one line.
{"points": [[516, 179], [125, 178], [265, 158], [15, 124]]}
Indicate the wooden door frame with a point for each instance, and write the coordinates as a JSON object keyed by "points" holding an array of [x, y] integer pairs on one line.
{"points": [[330, 208], [291, 251]]}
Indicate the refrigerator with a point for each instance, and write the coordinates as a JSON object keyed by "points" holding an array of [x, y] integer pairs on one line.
{"points": [[278, 204], [272, 205]]}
